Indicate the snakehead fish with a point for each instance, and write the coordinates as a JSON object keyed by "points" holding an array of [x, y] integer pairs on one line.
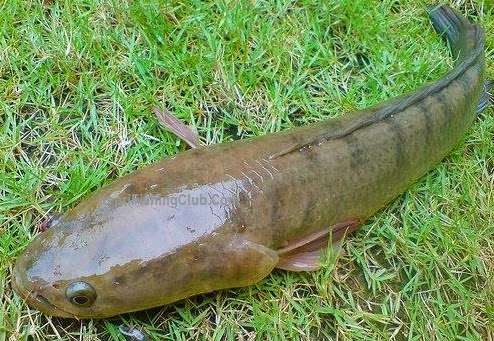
{"points": [[226, 215]]}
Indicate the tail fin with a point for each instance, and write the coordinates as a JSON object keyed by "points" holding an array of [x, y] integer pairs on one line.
{"points": [[451, 26], [461, 36], [487, 97]]}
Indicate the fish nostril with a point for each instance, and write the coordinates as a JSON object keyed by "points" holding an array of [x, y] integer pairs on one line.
{"points": [[43, 299]]}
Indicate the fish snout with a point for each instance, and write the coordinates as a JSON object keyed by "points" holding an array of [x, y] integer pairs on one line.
{"points": [[33, 292], [19, 279]]}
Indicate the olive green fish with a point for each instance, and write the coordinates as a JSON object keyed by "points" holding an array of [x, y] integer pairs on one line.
{"points": [[226, 215]]}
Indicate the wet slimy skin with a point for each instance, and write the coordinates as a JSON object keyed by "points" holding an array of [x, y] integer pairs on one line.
{"points": [[226, 215]]}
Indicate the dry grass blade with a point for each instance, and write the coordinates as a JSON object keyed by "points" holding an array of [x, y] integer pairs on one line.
{"points": [[179, 128]]}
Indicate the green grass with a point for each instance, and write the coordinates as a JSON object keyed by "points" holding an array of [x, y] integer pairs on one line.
{"points": [[79, 79]]}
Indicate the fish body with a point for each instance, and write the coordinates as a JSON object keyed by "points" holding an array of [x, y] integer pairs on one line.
{"points": [[226, 215]]}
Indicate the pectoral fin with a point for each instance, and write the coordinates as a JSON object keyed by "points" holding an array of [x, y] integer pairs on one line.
{"points": [[246, 262], [305, 254], [303, 261]]}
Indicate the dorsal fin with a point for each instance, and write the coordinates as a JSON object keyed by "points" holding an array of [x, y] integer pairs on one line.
{"points": [[466, 41]]}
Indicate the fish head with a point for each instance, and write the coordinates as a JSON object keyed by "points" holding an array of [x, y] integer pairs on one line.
{"points": [[40, 278], [111, 255], [63, 273]]}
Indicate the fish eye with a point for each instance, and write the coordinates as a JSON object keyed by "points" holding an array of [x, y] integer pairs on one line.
{"points": [[81, 294]]}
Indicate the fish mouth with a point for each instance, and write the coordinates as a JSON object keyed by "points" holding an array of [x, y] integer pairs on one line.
{"points": [[33, 298]]}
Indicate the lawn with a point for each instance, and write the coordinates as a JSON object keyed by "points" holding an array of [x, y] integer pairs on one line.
{"points": [[79, 80]]}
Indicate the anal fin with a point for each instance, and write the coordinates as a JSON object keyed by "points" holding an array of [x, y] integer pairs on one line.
{"points": [[305, 254]]}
